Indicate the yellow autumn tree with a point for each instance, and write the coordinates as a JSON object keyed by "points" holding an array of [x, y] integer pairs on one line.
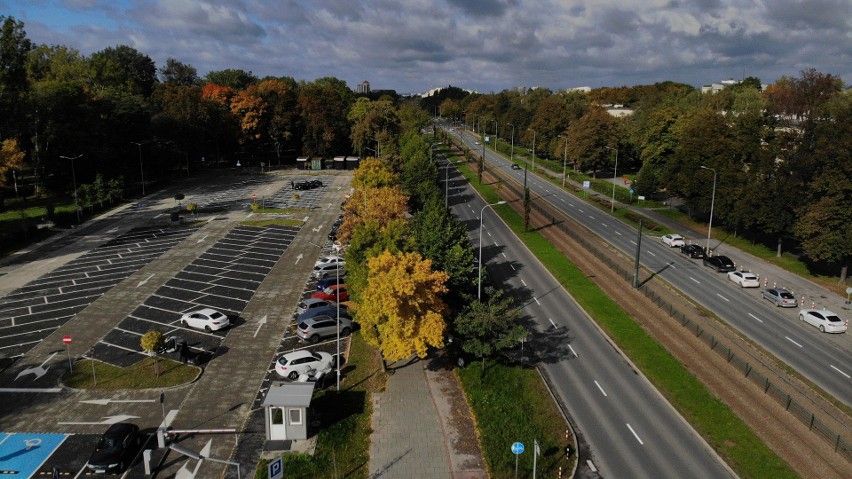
{"points": [[249, 108], [11, 158], [373, 173], [401, 311], [383, 205]]}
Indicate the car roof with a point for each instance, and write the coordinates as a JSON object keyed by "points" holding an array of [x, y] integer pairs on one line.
{"points": [[302, 353], [207, 311], [121, 428], [311, 301]]}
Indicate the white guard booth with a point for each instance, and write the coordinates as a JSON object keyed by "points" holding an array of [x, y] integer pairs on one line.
{"points": [[286, 410]]}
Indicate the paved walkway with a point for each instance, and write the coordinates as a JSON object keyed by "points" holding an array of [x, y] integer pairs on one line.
{"points": [[420, 429]]}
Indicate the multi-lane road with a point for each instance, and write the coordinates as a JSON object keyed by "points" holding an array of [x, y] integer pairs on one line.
{"points": [[822, 358], [631, 430]]}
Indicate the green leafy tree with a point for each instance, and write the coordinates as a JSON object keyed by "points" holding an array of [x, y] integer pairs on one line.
{"points": [[439, 236], [14, 84], [233, 78], [123, 69], [489, 327], [179, 73], [591, 137]]}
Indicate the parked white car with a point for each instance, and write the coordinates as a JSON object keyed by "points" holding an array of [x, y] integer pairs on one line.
{"points": [[673, 240], [329, 260], [207, 319], [825, 320], [291, 365], [744, 279]]}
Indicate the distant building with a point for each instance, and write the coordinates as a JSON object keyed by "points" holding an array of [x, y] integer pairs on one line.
{"points": [[717, 87], [581, 89], [618, 111], [363, 87]]}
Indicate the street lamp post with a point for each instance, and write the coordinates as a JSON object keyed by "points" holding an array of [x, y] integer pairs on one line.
{"points": [[74, 182], [533, 152], [495, 136], [447, 182], [614, 178], [512, 153], [141, 169], [479, 276], [712, 203], [564, 159]]}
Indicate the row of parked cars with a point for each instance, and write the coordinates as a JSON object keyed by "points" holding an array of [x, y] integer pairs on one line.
{"points": [[306, 185], [322, 315], [823, 319]]}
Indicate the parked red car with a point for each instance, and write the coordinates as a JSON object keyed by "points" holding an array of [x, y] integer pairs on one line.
{"points": [[336, 292]]}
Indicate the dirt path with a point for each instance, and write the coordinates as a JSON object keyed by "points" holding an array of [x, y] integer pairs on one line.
{"points": [[806, 453]]}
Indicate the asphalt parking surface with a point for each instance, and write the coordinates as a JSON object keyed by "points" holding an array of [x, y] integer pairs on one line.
{"points": [[30, 314], [224, 277]]}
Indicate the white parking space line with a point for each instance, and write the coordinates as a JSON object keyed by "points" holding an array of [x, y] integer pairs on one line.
{"points": [[599, 387], [788, 339], [726, 299], [652, 254], [604, 225], [835, 368], [755, 317], [551, 322], [537, 301], [634, 434], [573, 352]]}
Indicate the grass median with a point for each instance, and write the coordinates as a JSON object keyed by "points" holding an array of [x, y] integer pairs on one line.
{"points": [[732, 439]]}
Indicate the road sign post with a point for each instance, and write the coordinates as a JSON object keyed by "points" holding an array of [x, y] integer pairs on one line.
{"points": [[92, 359], [517, 450], [67, 341]]}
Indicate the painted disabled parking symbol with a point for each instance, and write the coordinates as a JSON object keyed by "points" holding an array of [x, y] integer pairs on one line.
{"points": [[31, 443]]}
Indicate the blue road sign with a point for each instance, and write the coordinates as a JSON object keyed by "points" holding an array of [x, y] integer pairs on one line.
{"points": [[276, 469], [517, 448]]}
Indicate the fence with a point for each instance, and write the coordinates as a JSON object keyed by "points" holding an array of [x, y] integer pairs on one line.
{"points": [[716, 342]]}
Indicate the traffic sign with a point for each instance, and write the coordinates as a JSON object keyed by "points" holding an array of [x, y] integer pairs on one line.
{"points": [[517, 448], [587, 184], [276, 468], [66, 339]]}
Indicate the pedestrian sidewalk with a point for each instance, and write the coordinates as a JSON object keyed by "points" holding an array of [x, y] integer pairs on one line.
{"points": [[422, 425]]}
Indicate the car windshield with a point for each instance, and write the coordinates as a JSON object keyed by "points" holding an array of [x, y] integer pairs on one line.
{"points": [[107, 443], [328, 290], [302, 305], [316, 356], [216, 315], [833, 319], [787, 296]]}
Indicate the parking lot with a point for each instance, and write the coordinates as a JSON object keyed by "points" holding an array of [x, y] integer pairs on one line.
{"points": [[247, 272], [31, 313]]}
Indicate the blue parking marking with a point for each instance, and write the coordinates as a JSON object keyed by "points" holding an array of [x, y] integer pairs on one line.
{"points": [[21, 455]]}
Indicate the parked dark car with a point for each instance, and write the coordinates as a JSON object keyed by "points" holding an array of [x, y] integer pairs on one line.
{"points": [[116, 449], [722, 264], [693, 251]]}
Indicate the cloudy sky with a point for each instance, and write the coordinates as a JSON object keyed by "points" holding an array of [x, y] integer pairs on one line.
{"points": [[485, 45]]}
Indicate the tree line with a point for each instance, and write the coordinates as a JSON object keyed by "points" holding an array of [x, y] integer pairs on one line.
{"points": [[782, 154]]}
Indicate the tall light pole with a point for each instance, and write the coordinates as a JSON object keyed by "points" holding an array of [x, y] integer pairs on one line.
{"points": [[495, 136], [74, 182], [447, 182], [533, 153], [712, 203], [512, 153], [564, 159], [614, 178], [479, 276], [141, 169]]}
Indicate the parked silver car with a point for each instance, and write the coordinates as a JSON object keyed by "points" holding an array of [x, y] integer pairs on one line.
{"points": [[328, 270], [781, 297], [318, 327]]}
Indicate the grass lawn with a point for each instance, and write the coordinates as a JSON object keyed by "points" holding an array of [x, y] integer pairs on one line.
{"points": [[139, 376], [511, 403], [343, 442], [273, 222], [735, 442]]}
